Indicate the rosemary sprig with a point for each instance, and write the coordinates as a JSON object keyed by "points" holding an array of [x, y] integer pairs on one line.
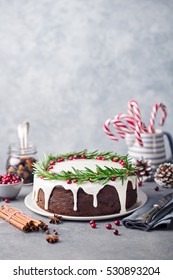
{"points": [[102, 175]]}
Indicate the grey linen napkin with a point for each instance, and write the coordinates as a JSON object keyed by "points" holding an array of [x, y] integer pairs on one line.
{"points": [[162, 219]]}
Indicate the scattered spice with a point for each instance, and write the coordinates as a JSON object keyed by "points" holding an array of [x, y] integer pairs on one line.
{"points": [[52, 238], [56, 219], [156, 188]]}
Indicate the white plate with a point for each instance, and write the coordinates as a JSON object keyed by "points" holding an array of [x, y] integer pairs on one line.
{"points": [[31, 204]]}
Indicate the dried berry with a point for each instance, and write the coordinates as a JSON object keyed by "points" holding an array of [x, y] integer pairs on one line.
{"points": [[22, 167]]}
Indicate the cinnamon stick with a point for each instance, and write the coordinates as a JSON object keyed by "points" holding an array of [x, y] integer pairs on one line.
{"points": [[18, 219], [23, 227]]}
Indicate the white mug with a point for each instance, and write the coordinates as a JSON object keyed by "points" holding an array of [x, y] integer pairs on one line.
{"points": [[153, 149]]}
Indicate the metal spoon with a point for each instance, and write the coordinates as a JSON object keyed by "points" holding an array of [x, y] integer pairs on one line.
{"points": [[26, 126], [20, 135]]}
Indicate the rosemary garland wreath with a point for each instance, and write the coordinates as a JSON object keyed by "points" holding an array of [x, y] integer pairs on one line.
{"points": [[103, 175]]}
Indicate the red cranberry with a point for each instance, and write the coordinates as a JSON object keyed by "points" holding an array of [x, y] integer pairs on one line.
{"points": [[76, 157], [117, 222], [52, 162], [108, 226], [7, 200], [69, 181], [9, 179], [92, 222], [116, 232], [140, 183], [93, 225], [83, 156], [70, 158], [99, 158], [114, 159], [41, 177], [60, 159], [75, 180], [113, 179], [49, 167], [122, 162]]}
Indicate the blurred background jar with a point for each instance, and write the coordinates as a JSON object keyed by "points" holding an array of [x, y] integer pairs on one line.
{"points": [[20, 162], [22, 155]]}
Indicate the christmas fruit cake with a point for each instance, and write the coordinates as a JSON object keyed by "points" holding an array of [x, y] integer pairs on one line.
{"points": [[85, 184]]}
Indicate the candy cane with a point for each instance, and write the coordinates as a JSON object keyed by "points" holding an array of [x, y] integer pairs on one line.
{"points": [[153, 116], [133, 110], [120, 127], [108, 131]]}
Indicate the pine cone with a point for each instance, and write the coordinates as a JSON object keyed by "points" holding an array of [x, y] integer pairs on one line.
{"points": [[144, 170], [164, 175]]}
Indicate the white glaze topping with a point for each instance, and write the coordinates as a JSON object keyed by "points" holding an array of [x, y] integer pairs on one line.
{"points": [[88, 187]]}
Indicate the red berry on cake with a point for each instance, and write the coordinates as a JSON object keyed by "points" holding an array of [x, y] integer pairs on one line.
{"points": [[113, 178], [122, 162], [52, 162], [108, 226], [83, 156], [49, 167], [75, 156], [114, 159], [75, 180], [69, 181], [117, 222], [116, 232], [70, 158], [60, 159], [140, 183], [99, 157]]}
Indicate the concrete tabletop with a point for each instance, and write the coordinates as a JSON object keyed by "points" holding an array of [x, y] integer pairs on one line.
{"points": [[78, 241]]}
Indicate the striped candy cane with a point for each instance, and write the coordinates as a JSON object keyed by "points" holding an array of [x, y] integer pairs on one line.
{"points": [[153, 116], [120, 127], [108, 131], [133, 110]]}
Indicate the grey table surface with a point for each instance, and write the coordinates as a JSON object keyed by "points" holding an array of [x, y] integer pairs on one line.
{"points": [[78, 241]]}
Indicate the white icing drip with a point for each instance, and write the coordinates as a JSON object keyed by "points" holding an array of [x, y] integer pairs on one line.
{"points": [[92, 189], [88, 187]]}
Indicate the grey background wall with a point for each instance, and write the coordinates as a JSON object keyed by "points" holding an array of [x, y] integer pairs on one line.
{"points": [[68, 65]]}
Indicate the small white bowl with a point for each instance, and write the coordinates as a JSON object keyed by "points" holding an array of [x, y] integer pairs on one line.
{"points": [[10, 190]]}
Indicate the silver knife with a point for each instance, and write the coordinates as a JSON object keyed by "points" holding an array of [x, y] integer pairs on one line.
{"points": [[147, 217]]}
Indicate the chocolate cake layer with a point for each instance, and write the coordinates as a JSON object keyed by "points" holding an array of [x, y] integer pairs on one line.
{"points": [[61, 201]]}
